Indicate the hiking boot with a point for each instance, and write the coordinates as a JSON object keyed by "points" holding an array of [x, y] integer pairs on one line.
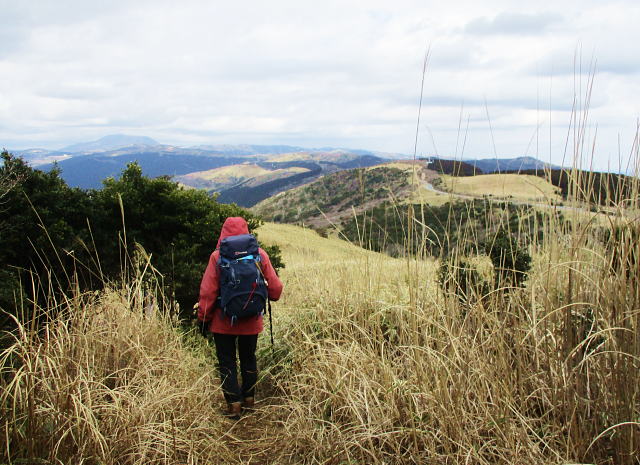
{"points": [[233, 411], [248, 403]]}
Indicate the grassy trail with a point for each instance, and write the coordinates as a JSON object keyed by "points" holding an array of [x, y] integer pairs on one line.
{"points": [[372, 364]]}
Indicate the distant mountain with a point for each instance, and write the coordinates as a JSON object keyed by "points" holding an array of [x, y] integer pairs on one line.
{"points": [[492, 165], [110, 142], [88, 169], [245, 149], [87, 164]]}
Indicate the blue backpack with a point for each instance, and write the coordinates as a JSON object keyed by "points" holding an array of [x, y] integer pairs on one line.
{"points": [[243, 290]]}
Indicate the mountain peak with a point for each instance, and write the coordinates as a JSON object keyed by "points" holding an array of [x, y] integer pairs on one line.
{"points": [[110, 142]]}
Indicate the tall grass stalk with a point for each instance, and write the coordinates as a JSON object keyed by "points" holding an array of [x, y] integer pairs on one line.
{"points": [[108, 378], [386, 368]]}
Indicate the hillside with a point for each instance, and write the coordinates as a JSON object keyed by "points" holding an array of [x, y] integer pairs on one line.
{"points": [[220, 179], [355, 332], [506, 186], [334, 197], [598, 188]]}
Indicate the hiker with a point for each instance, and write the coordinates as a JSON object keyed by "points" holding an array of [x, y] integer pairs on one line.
{"points": [[230, 329]]}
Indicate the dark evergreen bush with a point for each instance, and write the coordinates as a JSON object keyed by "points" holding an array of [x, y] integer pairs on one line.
{"points": [[511, 261], [460, 277], [60, 233]]}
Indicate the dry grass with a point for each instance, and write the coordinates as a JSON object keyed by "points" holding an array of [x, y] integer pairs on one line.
{"points": [[512, 186], [385, 369], [228, 175], [284, 157], [109, 382], [373, 364]]}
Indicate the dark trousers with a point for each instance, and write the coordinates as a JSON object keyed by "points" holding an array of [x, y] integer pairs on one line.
{"points": [[226, 351]]}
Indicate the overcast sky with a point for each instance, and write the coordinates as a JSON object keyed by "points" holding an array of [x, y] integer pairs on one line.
{"points": [[502, 76]]}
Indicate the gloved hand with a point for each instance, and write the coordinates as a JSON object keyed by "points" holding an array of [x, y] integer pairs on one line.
{"points": [[203, 327]]}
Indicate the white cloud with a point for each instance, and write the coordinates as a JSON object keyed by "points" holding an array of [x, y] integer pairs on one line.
{"points": [[329, 73]]}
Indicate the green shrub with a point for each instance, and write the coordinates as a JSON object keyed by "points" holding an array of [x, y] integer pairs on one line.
{"points": [[511, 261], [459, 276], [62, 234]]}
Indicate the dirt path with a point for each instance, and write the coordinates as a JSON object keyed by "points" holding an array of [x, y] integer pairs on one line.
{"points": [[255, 436]]}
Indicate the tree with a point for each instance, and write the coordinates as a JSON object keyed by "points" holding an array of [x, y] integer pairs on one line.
{"points": [[40, 219], [178, 227], [76, 237]]}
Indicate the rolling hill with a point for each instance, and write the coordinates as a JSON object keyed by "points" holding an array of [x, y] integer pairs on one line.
{"points": [[336, 196], [248, 183], [273, 168], [523, 187], [367, 206], [219, 179]]}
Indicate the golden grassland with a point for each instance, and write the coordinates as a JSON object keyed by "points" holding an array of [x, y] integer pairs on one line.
{"points": [[296, 156], [236, 173], [512, 186], [225, 173], [109, 381], [384, 368], [276, 174], [372, 364]]}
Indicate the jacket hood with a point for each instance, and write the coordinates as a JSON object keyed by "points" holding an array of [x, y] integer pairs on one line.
{"points": [[233, 226]]}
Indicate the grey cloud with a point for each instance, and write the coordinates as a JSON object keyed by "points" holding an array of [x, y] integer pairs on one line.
{"points": [[561, 63], [514, 24], [465, 101], [13, 33]]}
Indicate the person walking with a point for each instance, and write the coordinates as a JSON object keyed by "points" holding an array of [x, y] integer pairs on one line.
{"points": [[235, 337]]}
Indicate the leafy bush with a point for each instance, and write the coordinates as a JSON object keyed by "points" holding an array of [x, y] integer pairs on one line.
{"points": [[464, 226], [510, 260], [55, 231], [459, 276]]}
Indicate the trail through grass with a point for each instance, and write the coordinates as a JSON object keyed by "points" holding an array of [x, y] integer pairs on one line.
{"points": [[372, 364]]}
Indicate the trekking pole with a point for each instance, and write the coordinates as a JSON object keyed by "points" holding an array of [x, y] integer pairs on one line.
{"points": [[270, 326]]}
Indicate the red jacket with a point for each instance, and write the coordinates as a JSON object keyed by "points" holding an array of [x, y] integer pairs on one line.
{"points": [[209, 288]]}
